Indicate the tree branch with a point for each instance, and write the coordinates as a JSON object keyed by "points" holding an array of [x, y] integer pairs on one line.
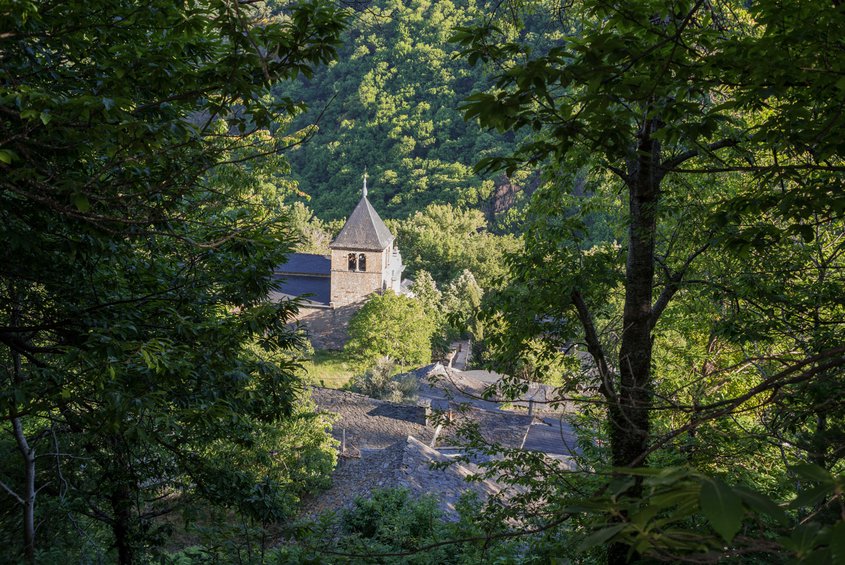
{"points": [[593, 344], [773, 383], [670, 164], [618, 172], [673, 285], [11, 492]]}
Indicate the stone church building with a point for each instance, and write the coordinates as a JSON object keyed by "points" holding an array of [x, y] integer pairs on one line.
{"points": [[363, 260]]}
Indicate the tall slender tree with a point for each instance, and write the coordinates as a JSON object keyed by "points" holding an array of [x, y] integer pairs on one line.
{"points": [[662, 96]]}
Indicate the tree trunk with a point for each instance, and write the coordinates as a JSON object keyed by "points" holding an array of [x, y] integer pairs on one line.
{"points": [[27, 455], [121, 503], [631, 413], [630, 419]]}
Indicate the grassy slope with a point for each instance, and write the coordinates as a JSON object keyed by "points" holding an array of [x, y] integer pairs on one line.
{"points": [[332, 369]]}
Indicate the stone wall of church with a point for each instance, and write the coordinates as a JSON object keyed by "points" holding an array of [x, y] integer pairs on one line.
{"points": [[350, 287], [328, 328]]}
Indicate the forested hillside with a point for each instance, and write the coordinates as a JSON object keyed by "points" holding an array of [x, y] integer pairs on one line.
{"points": [[389, 104]]}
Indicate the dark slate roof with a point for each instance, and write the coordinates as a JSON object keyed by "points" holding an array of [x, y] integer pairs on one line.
{"points": [[306, 264], [371, 423], [363, 230], [298, 285]]}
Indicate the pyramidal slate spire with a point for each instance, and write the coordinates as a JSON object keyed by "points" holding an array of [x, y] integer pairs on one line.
{"points": [[364, 230]]}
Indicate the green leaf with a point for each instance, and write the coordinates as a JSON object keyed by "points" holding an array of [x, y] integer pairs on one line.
{"points": [[761, 503], [81, 202], [620, 485], [811, 496], [601, 536], [803, 538], [7, 156], [679, 495], [817, 557], [668, 476], [722, 507], [837, 544], [812, 472]]}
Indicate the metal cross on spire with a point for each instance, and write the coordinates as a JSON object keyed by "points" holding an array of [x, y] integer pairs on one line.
{"points": [[365, 182]]}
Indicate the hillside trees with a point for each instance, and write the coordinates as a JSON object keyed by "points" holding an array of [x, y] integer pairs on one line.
{"points": [[446, 240], [461, 301], [429, 296], [313, 234], [137, 249], [427, 293], [390, 104], [664, 103]]}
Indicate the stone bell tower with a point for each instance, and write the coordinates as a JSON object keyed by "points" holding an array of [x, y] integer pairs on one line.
{"points": [[364, 258]]}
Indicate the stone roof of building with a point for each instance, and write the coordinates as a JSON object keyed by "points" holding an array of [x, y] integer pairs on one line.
{"points": [[495, 426], [375, 424], [364, 230], [404, 464], [314, 289], [306, 264], [370, 423], [304, 275], [389, 445], [463, 393], [416, 474], [357, 477]]}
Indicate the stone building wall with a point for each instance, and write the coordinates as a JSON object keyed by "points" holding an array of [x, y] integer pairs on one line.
{"points": [[328, 328], [349, 287]]}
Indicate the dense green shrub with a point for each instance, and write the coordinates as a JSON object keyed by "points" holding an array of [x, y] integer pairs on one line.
{"points": [[393, 527], [380, 381], [390, 325]]}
